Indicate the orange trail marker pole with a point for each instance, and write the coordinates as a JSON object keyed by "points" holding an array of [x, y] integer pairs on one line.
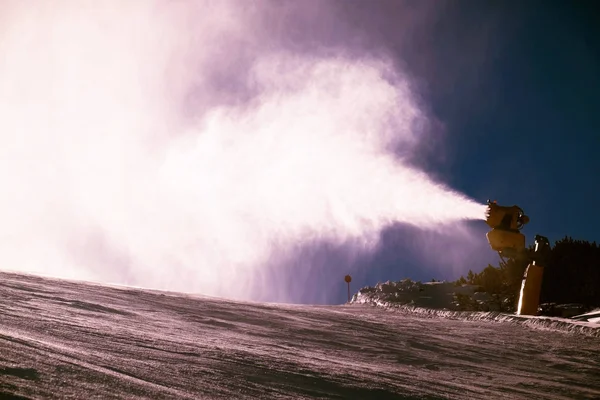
{"points": [[348, 279]]}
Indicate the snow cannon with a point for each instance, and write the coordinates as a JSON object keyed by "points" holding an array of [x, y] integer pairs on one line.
{"points": [[506, 223], [506, 238]]}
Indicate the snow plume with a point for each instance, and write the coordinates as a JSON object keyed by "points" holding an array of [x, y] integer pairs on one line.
{"points": [[178, 145]]}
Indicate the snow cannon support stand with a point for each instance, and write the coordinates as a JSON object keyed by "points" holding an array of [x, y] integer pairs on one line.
{"points": [[506, 238]]}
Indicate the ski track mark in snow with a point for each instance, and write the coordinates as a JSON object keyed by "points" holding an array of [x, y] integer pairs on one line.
{"points": [[63, 339]]}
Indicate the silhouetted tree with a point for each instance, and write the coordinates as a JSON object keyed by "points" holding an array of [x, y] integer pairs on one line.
{"points": [[470, 277], [571, 275], [461, 281]]}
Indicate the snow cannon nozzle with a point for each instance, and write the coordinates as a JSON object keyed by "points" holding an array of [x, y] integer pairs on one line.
{"points": [[506, 223], [510, 218]]}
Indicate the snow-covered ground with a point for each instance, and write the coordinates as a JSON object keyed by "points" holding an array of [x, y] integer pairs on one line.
{"points": [[592, 316], [435, 295], [439, 299], [62, 339]]}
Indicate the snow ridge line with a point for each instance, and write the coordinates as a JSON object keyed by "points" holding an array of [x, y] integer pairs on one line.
{"points": [[534, 322]]}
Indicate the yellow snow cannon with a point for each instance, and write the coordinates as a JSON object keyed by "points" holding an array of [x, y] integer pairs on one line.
{"points": [[506, 223], [506, 238]]}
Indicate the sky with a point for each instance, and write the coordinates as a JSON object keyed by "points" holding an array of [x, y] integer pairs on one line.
{"points": [[534, 104], [263, 150]]}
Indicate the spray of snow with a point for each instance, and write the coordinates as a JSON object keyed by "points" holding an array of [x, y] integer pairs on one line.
{"points": [[171, 145]]}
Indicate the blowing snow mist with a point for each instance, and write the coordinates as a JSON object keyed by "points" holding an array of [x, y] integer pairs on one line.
{"points": [[171, 145]]}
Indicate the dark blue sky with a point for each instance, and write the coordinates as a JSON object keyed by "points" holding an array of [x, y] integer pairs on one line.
{"points": [[515, 88], [534, 136]]}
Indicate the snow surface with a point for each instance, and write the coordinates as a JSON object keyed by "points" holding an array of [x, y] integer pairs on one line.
{"points": [[592, 316], [64, 339]]}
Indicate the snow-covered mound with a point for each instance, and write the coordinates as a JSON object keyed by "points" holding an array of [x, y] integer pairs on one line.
{"points": [[433, 295], [439, 299], [592, 316]]}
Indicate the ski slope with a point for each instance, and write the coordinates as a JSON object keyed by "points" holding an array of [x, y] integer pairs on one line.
{"points": [[65, 339]]}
